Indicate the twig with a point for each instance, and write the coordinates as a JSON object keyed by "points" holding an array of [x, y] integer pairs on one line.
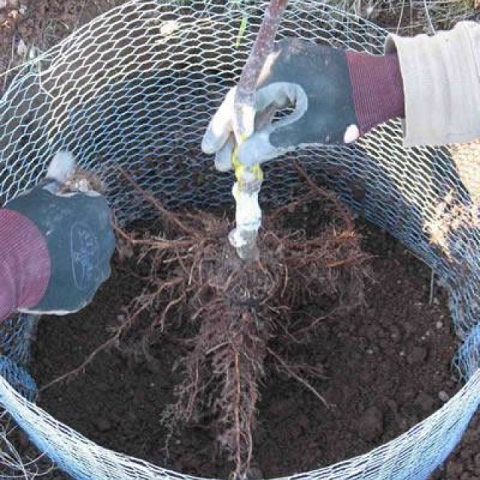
{"points": [[154, 243], [236, 412], [347, 219], [297, 377], [358, 259], [110, 342], [432, 287], [151, 199], [249, 179], [245, 93]]}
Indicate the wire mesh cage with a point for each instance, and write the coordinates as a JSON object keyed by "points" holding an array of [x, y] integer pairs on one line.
{"points": [[135, 89]]}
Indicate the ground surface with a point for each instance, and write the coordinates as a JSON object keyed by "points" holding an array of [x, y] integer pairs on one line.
{"points": [[388, 366]]}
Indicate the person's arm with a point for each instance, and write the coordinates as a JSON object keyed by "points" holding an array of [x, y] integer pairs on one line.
{"points": [[339, 95], [441, 78], [55, 249], [24, 263]]}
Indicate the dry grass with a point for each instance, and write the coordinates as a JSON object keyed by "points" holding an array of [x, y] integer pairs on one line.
{"points": [[15, 464], [412, 16], [450, 230]]}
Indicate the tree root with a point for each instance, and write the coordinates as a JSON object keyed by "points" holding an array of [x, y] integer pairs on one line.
{"points": [[232, 312], [236, 318]]}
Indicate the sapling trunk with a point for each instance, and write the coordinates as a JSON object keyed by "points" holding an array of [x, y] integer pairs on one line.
{"points": [[249, 179]]}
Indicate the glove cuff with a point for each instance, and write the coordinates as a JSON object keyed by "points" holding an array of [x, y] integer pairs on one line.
{"points": [[24, 263], [377, 88]]}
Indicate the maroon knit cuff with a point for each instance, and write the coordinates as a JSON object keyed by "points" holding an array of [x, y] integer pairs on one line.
{"points": [[24, 263], [377, 88]]}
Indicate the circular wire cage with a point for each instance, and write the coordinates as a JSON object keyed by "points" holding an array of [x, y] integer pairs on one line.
{"points": [[134, 90]]}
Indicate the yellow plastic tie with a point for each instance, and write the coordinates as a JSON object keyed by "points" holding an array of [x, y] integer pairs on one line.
{"points": [[240, 169]]}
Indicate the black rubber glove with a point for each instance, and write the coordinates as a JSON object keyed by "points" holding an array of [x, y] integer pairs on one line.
{"points": [[337, 96], [78, 234]]}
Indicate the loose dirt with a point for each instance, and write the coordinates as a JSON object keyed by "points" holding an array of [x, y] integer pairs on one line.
{"points": [[388, 365]]}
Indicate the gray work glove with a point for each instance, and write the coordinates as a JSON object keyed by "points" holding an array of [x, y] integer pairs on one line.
{"points": [[78, 233], [336, 97]]}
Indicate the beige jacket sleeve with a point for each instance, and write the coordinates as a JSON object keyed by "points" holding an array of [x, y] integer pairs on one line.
{"points": [[441, 82]]}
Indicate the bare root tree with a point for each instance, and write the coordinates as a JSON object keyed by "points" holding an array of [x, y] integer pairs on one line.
{"points": [[234, 317]]}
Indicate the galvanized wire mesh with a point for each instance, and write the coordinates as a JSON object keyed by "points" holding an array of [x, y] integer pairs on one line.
{"points": [[135, 89]]}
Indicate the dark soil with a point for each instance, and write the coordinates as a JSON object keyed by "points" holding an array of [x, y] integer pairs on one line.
{"points": [[388, 367]]}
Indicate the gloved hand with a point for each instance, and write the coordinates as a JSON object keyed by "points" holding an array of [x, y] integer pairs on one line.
{"points": [[55, 249], [337, 96]]}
